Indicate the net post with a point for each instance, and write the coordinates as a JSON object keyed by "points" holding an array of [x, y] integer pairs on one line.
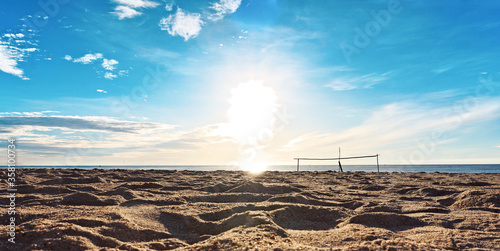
{"points": [[378, 168], [298, 160]]}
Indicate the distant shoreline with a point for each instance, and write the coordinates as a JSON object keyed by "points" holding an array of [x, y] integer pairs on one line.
{"points": [[441, 168]]}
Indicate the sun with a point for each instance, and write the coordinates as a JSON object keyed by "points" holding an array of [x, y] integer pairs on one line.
{"points": [[252, 106], [254, 167], [251, 112]]}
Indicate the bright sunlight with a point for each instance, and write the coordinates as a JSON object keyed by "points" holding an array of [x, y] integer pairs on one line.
{"points": [[251, 111]]}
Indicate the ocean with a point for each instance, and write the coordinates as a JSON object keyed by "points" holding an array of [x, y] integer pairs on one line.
{"points": [[464, 168]]}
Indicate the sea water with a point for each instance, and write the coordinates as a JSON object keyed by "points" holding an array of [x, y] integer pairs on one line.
{"points": [[464, 168]]}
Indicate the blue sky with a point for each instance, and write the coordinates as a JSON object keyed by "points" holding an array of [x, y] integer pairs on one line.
{"points": [[249, 83]]}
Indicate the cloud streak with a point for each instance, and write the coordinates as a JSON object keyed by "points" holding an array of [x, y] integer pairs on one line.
{"points": [[78, 123], [130, 8], [72, 140], [357, 82], [8, 62], [398, 127], [13, 51]]}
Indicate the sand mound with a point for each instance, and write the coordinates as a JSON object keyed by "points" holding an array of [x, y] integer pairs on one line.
{"points": [[475, 183], [374, 207], [29, 189], [433, 192], [252, 187], [136, 202], [307, 218], [219, 188], [474, 199], [373, 188], [448, 201], [124, 232], [73, 181], [87, 222], [386, 220], [219, 215], [226, 198], [127, 194], [88, 199], [145, 185]]}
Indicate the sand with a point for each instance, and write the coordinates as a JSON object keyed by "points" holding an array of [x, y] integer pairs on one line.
{"points": [[69, 209]]}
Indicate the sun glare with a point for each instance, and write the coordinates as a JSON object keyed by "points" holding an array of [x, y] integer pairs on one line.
{"points": [[254, 167], [251, 110], [252, 107]]}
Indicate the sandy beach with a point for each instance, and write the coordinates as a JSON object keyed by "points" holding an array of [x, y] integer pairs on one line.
{"points": [[70, 209]]}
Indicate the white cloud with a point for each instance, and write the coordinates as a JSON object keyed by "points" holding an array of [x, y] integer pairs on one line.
{"points": [[109, 64], [125, 12], [27, 113], [137, 3], [128, 8], [189, 25], [223, 8], [101, 91], [123, 72], [52, 139], [109, 75], [400, 128], [358, 82], [88, 58], [186, 25], [8, 62], [97, 123], [169, 6], [338, 85], [11, 35], [13, 50]]}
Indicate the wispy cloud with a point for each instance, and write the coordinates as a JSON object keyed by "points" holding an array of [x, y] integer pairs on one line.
{"points": [[130, 8], [14, 49], [398, 127], [223, 8], [109, 64], [169, 6], [27, 113], [109, 75], [8, 62], [137, 3], [125, 12], [12, 35], [357, 82], [62, 139], [87, 59], [101, 91], [95, 123], [186, 25]]}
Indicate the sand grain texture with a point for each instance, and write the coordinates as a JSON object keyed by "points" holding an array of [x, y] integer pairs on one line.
{"points": [[69, 209]]}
